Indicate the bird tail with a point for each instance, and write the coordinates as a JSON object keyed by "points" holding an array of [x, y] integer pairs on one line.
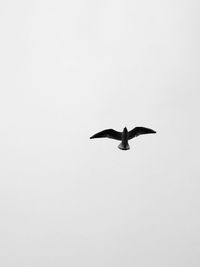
{"points": [[123, 147]]}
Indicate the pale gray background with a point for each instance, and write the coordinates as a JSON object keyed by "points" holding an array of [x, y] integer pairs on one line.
{"points": [[68, 70]]}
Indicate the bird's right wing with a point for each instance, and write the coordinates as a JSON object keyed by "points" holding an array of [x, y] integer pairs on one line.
{"points": [[138, 131], [109, 133]]}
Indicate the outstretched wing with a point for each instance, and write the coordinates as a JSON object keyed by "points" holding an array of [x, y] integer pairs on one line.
{"points": [[109, 133], [138, 131]]}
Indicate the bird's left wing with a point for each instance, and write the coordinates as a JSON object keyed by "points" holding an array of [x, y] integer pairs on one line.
{"points": [[109, 133], [138, 131]]}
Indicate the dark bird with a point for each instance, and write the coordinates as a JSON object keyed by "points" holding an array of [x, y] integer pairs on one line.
{"points": [[123, 136]]}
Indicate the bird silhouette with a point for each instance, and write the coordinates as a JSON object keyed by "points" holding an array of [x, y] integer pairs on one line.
{"points": [[123, 136]]}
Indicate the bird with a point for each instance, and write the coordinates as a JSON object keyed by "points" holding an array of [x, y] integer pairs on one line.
{"points": [[123, 136]]}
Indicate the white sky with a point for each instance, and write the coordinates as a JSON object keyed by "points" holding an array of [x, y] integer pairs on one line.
{"points": [[68, 70]]}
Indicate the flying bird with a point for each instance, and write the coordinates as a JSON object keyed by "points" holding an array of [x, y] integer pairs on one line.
{"points": [[123, 136]]}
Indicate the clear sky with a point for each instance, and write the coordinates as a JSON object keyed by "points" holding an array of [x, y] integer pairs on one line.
{"points": [[68, 70]]}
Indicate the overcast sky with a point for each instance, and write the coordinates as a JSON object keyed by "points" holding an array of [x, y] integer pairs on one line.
{"points": [[68, 70]]}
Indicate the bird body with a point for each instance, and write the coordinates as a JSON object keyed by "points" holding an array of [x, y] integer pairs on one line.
{"points": [[124, 144], [123, 136]]}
